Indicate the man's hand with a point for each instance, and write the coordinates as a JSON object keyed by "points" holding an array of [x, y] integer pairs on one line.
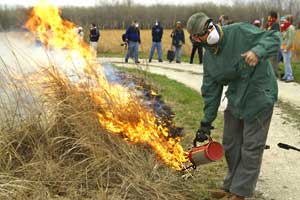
{"points": [[251, 58], [201, 136], [203, 132]]}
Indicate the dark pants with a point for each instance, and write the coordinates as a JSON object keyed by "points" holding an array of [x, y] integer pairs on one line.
{"points": [[244, 144], [274, 62], [200, 53]]}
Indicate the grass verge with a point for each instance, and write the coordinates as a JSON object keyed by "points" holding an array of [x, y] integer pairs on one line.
{"points": [[295, 68]]}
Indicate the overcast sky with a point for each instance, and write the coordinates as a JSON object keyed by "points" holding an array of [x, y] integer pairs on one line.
{"points": [[93, 2]]}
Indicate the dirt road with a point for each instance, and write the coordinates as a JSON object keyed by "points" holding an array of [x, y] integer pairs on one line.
{"points": [[280, 173]]}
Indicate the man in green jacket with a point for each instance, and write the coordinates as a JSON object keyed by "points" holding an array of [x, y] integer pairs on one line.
{"points": [[237, 56]]}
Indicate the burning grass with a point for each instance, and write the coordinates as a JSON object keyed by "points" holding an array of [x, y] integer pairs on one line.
{"points": [[64, 152]]}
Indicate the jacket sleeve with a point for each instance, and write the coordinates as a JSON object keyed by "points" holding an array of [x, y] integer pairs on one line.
{"points": [[290, 35], [212, 94], [266, 43], [161, 33], [127, 33], [152, 32], [139, 35]]}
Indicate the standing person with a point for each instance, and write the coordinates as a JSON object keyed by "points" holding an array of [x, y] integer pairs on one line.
{"points": [[243, 65], [178, 40], [196, 46], [274, 25], [80, 34], [287, 47], [133, 40], [157, 33], [94, 38]]}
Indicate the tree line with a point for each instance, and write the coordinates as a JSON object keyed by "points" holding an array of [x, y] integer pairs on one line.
{"points": [[119, 14]]}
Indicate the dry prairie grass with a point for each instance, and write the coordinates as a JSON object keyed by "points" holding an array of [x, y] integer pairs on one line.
{"points": [[64, 152]]}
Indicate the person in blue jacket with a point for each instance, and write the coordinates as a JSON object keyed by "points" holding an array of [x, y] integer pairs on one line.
{"points": [[157, 33], [94, 38], [133, 40]]}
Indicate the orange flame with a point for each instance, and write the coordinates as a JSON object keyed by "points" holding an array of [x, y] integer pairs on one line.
{"points": [[121, 110]]}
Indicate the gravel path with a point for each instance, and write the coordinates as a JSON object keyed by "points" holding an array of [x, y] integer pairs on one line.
{"points": [[280, 174]]}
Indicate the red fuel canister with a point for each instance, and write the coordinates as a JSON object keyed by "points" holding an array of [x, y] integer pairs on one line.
{"points": [[207, 153]]}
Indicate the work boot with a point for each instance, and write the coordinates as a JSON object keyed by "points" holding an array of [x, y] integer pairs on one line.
{"points": [[226, 197], [218, 193], [236, 197], [150, 60]]}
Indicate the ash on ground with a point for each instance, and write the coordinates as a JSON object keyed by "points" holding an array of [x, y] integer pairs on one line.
{"points": [[150, 98]]}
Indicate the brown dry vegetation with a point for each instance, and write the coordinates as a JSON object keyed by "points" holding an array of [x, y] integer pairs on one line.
{"points": [[111, 39], [62, 151]]}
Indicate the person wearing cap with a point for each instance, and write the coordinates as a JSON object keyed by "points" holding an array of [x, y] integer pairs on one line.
{"points": [[256, 23], [157, 33], [237, 56], [287, 48], [178, 39], [133, 39]]}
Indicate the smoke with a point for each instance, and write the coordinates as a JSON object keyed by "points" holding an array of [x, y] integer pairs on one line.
{"points": [[22, 61]]}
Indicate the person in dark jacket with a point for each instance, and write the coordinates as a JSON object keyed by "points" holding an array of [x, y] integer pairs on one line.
{"points": [[157, 33], [273, 25], [196, 46], [178, 40], [133, 40], [237, 56], [94, 38]]}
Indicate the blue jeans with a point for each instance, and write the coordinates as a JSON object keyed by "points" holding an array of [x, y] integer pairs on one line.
{"points": [[156, 45], [133, 51], [178, 53], [288, 72]]}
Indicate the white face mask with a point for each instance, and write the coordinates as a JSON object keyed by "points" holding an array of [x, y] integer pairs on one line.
{"points": [[213, 37], [137, 25], [156, 24]]}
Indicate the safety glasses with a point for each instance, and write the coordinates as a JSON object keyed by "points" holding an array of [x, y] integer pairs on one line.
{"points": [[208, 26]]}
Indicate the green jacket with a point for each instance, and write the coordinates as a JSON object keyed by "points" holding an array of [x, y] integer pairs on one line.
{"points": [[250, 89], [288, 37]]}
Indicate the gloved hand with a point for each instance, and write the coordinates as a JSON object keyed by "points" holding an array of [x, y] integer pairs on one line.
{"points": [[203, 132]]}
